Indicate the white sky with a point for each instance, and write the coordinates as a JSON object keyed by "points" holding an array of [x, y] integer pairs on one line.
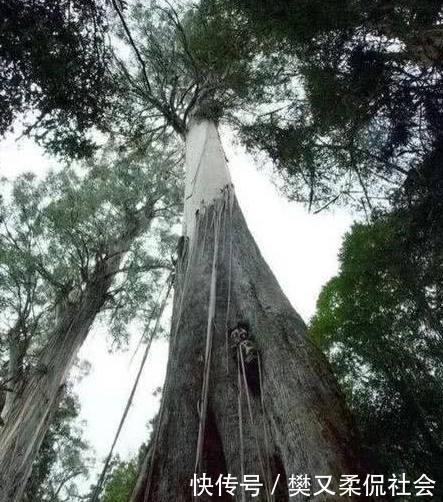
{"points": [[300, 248]]}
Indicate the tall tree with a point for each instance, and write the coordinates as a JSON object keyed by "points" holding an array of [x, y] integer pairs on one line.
{"points": [[298, 422], [212, 419], [380, 322], [73, 245]]}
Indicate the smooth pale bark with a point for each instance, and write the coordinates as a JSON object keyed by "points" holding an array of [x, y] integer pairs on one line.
{"points": [[302, 426], [35, 398]]}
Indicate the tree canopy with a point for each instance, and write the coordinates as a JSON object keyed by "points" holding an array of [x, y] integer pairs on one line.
{"points": [[380, 322], [364, 114], [55, 230], [53, 66], [198, 59]]}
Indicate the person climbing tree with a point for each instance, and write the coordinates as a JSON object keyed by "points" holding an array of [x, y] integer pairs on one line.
{"points": [[246, 355]]}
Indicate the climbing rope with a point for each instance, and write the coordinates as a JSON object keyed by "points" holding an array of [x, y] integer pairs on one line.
{"points": [[265, 428], [228, 306], [251, 417], [101, 479], [240, 429], [167, 283], [209, 338]]}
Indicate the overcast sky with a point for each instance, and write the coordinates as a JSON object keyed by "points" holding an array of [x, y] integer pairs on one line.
{"points": [[300, 248]]}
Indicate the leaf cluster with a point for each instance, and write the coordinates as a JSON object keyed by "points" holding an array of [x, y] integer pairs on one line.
{"points": [[367, 107], [53, 62], [380, 322], [56, 230], [191, 60]]}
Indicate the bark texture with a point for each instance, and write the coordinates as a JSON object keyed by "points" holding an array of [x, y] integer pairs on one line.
{"points": [[301, 425], [15, 368], [36, 395]]}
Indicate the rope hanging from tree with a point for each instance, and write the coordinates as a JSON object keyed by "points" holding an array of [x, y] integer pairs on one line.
{"points": [[218, 208], [240, 431], [152, 335], [243, 345], [187, 257], [254, 428]]}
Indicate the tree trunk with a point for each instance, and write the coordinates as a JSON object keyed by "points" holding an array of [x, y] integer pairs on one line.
{"points": [[28, 417], [15, 368], [210, 419]]}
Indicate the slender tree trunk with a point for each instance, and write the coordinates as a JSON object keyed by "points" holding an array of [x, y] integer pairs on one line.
{"points": [[298, 424], [28, 417]]}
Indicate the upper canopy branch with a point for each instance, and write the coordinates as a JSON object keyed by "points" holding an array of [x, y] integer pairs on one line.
{"points": [[191, 61]]}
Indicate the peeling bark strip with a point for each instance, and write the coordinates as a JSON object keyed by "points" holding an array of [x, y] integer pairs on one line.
{"points": [[300, 427], [29, 414]]}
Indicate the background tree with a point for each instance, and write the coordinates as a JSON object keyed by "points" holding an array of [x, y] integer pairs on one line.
{"points": [[122, 477], [63, 457], [121, 481], [363, 115], [76, 244], [380, 322]]}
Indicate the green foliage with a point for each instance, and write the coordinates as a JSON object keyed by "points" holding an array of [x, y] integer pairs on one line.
{"points": [[53, 60], [121, 481], [54, 230], [303, 20], [380, 321], [225, 54], [192, 59], [366, 99]]}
